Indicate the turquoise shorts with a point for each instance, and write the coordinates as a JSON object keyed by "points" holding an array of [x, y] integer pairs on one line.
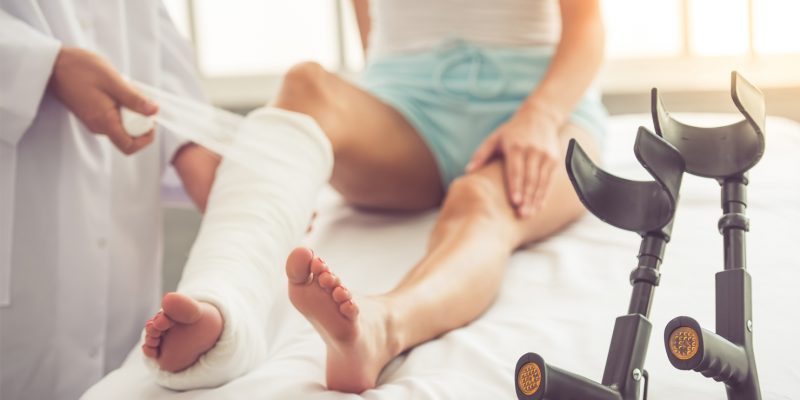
{"points": [[458, 94]]}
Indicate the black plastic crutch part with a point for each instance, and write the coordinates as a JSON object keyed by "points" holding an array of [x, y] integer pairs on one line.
{"points": [[724, 153], [643, 207]]}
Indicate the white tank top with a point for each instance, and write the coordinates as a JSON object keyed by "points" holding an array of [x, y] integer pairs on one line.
{"points": [[400, 26]]}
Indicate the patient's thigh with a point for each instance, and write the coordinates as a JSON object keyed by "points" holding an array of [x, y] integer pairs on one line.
{"points": [[381, 161]]}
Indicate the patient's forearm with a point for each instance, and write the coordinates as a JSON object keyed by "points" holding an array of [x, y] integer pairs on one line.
{"points": [[361, 8], [575, 64]]}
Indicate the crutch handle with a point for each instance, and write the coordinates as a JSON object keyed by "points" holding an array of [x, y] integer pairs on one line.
{"points": [[690, 347], [536, 380]]}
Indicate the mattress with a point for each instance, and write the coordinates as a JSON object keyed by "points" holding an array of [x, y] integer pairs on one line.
{"points": [[559, 298]]}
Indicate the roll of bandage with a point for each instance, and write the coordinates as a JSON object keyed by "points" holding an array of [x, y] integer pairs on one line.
{"points": [[206, 125], [136, 124]]}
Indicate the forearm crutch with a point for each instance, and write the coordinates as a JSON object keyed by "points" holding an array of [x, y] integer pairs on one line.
{"points": [[643, 207], [723, 153]]}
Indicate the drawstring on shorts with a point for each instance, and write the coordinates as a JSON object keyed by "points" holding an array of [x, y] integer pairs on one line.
{"points": [[457, 52]]}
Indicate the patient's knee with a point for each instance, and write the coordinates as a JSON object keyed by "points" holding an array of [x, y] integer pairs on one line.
{"points": [[473, 196], [303, 88]]}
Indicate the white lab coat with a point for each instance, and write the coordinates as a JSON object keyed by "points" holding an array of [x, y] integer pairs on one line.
{"points": [[80, 223]]}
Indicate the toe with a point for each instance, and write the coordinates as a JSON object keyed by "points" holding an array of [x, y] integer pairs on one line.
{"points": [[151, 352], [328, 280], [152, 341], [151, 330], [341, 294], [161, 322], [181, 308], [318, 266], [349, 309], [298, 265]]}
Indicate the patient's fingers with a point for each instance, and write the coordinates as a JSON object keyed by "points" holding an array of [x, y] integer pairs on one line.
{"points": [[545, 177], [515, 168], [484, 152], [530, 203], [532, 169]]}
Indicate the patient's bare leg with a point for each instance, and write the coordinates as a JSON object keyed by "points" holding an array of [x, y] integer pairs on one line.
{"points": [[372, 145], [453, 284], [380, 160], [181, 332]]}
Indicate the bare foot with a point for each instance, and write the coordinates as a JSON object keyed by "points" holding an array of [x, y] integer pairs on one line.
{"points": [[181, 332], [359, 341]]}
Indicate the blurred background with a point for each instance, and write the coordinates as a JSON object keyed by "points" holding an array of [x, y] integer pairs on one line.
{"points": [[686, 48], [680, 46]]}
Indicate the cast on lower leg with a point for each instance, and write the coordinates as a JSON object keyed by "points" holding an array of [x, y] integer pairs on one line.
{"points": [[259, 208]]}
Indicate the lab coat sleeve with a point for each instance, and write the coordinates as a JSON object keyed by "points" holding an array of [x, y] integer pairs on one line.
{"points": [[27, 59], [179, 76]]}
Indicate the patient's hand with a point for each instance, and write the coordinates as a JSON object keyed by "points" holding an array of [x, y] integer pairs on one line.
{"points": [[528, 143]]}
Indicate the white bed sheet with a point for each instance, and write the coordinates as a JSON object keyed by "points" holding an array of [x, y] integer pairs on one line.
{"points": [[559, 298]]}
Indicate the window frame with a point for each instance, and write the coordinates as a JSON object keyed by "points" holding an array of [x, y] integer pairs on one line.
{"points": [[685, 71]]}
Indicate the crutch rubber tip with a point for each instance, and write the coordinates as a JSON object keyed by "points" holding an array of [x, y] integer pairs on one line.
{"points": [[684, 342], [529, 376]]}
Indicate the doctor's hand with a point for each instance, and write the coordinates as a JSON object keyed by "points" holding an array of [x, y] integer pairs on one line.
{"points": [[528, 144], [91, 88]]}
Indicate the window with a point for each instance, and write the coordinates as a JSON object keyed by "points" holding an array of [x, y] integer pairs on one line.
{"points": [[642, 28], [244, 46], [647, 28], [694, 44], [718, 27], [242, 37], [776, 27]]}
